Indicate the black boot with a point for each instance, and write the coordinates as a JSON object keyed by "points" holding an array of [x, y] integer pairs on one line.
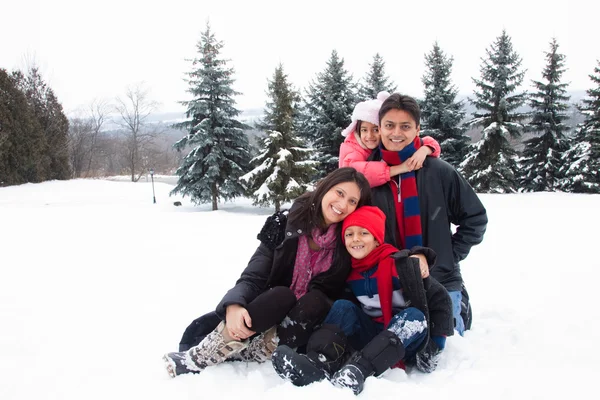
{"points": [[326, 351], [376, 357]]}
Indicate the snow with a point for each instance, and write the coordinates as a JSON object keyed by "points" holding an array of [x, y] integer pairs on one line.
{"points": [[97, 282]]}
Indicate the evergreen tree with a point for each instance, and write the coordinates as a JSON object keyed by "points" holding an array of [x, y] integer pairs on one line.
{"points": [[542, 156], [327, 112], [375, 81], [282, 170], [582, 161], [441, 114], [21, 137], [491, 164], [53, 121], [219, 147]]}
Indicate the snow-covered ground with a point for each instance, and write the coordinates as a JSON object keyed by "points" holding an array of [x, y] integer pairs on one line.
{"points": [[97, 282]]}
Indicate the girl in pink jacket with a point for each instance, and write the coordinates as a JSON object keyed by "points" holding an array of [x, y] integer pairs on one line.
{"points": [[362, 136]]}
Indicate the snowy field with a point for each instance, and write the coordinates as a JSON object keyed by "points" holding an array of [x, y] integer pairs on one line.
{"points": [[96, 283]]}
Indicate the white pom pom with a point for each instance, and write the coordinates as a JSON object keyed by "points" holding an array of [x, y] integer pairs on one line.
{"points": [[381, 96]]}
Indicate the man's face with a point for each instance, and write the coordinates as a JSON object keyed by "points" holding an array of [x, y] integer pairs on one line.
{"points": [[398, 129]]}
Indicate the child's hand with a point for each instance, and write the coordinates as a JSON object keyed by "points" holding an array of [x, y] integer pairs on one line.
{"points": [[423, 266], [416, 161]]}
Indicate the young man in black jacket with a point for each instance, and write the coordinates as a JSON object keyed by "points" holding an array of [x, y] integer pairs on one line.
{"points": [[422, 205]]}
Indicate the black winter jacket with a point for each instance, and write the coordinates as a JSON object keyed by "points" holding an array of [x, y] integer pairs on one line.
{"points": [[428, 295], [445, 198], [273, 265]]}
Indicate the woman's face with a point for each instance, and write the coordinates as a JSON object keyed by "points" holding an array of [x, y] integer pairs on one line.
{"points": [[359, 242], [369, 135], [339, 202]]}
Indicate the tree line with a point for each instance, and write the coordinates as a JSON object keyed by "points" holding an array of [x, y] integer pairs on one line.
{"points": [[38, 142], [302, 129]]}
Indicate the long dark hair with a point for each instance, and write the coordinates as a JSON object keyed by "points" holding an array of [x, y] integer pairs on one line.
{"points": [[309, 214]]}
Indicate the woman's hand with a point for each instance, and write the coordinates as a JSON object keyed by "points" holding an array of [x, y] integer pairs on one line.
{"points": [[237, 322], [422, 265]]}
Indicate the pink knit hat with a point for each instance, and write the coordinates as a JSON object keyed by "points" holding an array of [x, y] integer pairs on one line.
{"points": [[367, 110]]}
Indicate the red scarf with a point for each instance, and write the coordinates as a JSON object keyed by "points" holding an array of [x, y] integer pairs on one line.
{"points": [[408, 211], [380, 256]]}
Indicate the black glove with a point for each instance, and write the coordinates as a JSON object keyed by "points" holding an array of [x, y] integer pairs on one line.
{"points": [[427, 359]]}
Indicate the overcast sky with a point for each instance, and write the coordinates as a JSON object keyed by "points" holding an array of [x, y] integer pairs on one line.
{"points": [[94, 49]]}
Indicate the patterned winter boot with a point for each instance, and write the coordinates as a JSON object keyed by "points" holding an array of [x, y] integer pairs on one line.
{"points": [[377, 356], [261, 347], [212, 350], [326, 351]]}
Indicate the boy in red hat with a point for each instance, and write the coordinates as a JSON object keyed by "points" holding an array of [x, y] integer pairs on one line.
{"points": [[403, 315]]}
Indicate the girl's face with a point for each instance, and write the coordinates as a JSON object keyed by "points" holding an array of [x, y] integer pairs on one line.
{"points": [[369, 135], [359, 242], [339, 202]]}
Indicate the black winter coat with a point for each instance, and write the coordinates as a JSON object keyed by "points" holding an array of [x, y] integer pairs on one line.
{"points": [[445, 198], [273, 265], [427, 295]]}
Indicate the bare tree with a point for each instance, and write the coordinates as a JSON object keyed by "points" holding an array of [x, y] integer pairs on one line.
{"points": [[99, 110], [80, 130], [134, 110], [84, 133]]}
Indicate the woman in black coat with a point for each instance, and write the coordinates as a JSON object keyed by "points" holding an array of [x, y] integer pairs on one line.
{"points": [[298, 269]]}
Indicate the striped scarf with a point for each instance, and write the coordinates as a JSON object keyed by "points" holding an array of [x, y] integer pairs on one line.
{"points": [[408, 212]]}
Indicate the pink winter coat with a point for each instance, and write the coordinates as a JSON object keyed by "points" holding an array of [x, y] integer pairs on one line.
{"points": [[354, 154]]}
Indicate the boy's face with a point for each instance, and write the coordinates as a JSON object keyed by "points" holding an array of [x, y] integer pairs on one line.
{"points": [[369, 135], [359, 242], [398, 130]]}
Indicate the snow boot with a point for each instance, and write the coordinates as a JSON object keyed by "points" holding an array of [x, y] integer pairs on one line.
{"points": [[212, 350], [262, 346], [376, 357], [465, 308], [326, 351]]}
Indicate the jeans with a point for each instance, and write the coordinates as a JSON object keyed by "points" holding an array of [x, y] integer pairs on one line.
{"points": [[456, 297], [409, 325]]}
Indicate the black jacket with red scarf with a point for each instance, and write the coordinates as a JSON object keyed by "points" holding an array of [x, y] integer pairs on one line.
{"points": [[445, 198]]}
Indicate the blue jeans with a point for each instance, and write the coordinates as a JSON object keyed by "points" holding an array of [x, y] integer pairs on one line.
{"points": [[456, 297], [361, 329]]}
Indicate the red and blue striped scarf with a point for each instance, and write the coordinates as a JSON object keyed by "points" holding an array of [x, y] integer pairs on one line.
{"points": [[408, 212]]}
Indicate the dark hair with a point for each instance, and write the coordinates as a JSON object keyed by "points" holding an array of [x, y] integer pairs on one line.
{"points": [[358, 126], [310, 215], [402, 102]]}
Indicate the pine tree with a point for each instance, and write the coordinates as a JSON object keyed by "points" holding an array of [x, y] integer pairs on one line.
{"points": [[21, 136], [54, 123], [219, 148], [327, 112], [282, 170], [441, 114], [375, 81], [491, 164], [582, 161], [542, 157]]}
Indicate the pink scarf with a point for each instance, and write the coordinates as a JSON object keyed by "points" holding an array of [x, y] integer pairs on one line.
{"points": [[312, 262]]}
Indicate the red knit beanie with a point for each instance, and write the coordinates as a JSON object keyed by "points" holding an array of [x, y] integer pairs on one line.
{"points": [[370, 218]]}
